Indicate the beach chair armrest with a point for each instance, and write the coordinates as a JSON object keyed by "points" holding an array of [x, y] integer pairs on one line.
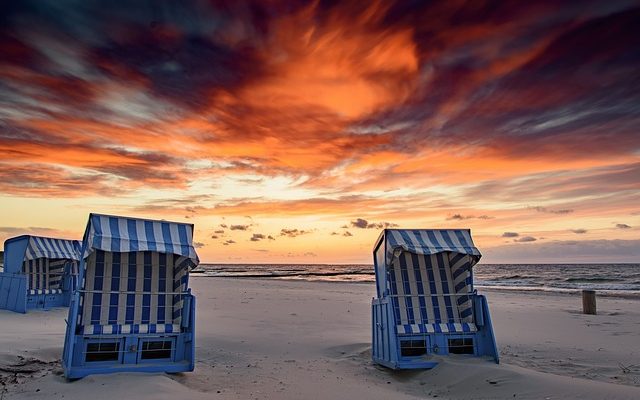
{"points": [[187, 310], [478, 309]]}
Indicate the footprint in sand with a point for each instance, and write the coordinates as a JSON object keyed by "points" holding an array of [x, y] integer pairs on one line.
{"points": [[24, 369]]}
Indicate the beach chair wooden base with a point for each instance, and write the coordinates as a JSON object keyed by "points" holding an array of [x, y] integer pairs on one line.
{"points": [[415, 351], [90, 354]]}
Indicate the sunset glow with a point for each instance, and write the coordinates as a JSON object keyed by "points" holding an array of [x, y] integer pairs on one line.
{"points": [[278, 128]]}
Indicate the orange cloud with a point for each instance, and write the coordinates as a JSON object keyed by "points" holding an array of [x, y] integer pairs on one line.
{"points": [[344, 64], [326, 112]]}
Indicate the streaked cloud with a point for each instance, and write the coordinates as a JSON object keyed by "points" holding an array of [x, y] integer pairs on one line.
{"points": [[496, 117], [364, 224], [239, 227], [547, 210], [603, 251], [293, 232], [461, 217], [256, 237], [525, 239], [31, 230], [510, 234]]}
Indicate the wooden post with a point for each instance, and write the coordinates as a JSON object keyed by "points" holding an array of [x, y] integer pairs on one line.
{"points": [[589, 302]]}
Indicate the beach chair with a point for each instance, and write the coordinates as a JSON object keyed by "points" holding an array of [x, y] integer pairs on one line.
{"points": [[133, 310], [426, 304], [38, 272]]}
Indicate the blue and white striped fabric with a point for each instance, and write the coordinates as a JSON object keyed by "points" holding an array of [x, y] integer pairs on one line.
{"points": [[42, 247], [429, 278], [130, 328], [430, 241], [36, 272], [135, 276], [122, 234], [429, 293], [56, 272], [45, 291], [133, 292], [44, 275]]}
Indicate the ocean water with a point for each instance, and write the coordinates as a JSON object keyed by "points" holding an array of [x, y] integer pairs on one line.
{"points": [[608, 279]]}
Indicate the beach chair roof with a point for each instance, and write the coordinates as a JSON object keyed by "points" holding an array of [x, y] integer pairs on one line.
{"points": [[39, 247], [427, 242], [124, 234]]}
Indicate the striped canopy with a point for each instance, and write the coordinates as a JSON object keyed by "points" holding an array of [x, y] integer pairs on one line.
{"points": [[122, 234], [429, 241], [40, 247]]}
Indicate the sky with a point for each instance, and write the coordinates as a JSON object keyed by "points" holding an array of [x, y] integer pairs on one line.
{"points": [[295, 131]]}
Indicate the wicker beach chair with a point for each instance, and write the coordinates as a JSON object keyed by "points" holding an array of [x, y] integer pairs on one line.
{"points": [[134, 310], [39, 272], [426, 304]]}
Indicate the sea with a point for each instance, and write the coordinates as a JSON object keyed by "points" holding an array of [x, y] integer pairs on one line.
{"points": [[619, 280]]}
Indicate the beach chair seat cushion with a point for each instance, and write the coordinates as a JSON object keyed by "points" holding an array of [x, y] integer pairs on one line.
{"points": [[45, 291], [115, 329], [451, 327]]}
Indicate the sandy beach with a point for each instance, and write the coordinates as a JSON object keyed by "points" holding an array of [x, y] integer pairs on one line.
{"points": [[276, 339]]}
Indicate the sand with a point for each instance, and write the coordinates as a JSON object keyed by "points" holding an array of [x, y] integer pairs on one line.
{"points": [[265, 339]]}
